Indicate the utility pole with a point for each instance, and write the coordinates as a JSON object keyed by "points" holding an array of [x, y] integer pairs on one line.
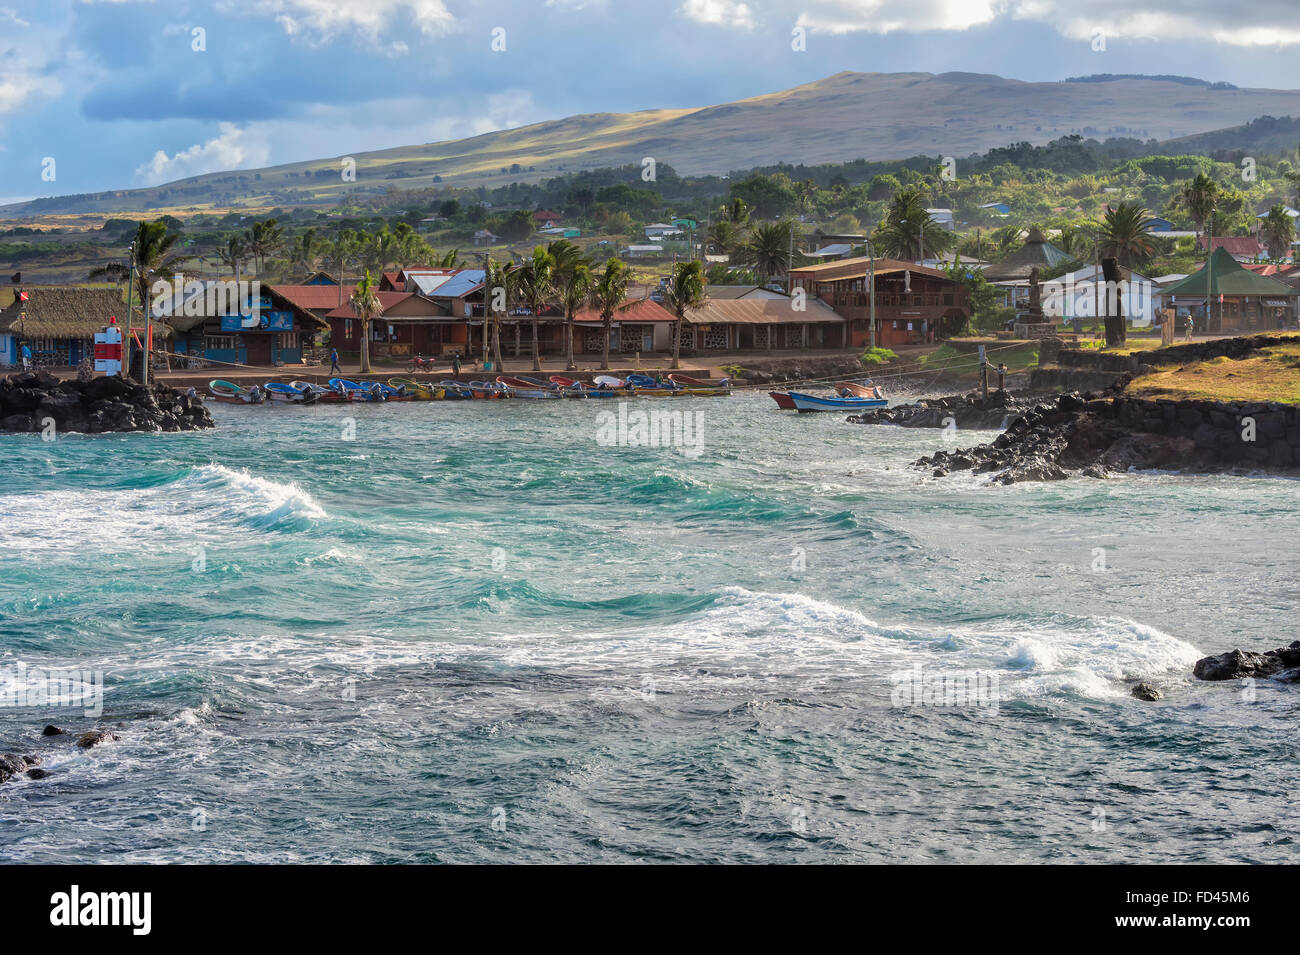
{"points": [[1209, 273], [871, 253], [130, 288]]}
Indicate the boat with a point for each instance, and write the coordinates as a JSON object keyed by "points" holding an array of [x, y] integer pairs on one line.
{"points": [[455, 390], [835, 403], [390, 393], [698, 388], [782, 400], [231, 393], [854, 389], [521, 387], [289, 393], [322, 393], [488, 389], [607, 381], [353, 391], [416, 390]]}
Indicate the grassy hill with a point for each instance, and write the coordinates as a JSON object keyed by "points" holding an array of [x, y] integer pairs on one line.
{"points": [[842, 117]]}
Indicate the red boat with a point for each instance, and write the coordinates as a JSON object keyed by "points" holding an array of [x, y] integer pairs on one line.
{"points": [[782, 400]]}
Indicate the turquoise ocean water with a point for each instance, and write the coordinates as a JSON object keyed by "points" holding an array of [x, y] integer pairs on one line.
{"points": [[474, 632]]}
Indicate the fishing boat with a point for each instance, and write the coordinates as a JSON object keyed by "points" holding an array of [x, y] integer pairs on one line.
{"points": [[231, 393], [607, 381], [416, 390], [834, 403], [782, 399], [455, 390], [322, 393], [288, 393], [698, 388], [488, 389], [521, 387], [389, 393], [854, 389], [354, 391]]}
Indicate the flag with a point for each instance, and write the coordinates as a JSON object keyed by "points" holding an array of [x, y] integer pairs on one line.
{"points": [[22, 296]]}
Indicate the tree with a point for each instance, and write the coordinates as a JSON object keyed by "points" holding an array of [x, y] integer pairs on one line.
{"points": [[365, 303], [264, 239], [685, 290], [1123, 235], [342, 252], [537, 286], [1277, 231], [574, 290], [307, 251], [607, 294], [770, 247], [1199, 196], [152, 254], [499, 280], [725, 236], [907, 231], [233, 254]]}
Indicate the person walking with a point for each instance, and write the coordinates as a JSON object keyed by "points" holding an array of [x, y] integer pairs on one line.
{"points": [[455, 364], [27, 357], [334, 362]]}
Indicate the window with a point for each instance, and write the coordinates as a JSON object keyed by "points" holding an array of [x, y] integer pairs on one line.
{"points": [[219, 343], [347, 328]]}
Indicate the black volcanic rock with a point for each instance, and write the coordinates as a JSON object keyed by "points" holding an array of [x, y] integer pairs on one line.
{"points": [[1238, 664], [29, 401]]}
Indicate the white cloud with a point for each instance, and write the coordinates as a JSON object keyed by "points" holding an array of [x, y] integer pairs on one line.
{"points": [[371, 20], [719, 13], [1258, 23], [233, 148]]}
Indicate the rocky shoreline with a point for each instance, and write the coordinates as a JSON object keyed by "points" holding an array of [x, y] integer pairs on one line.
{"points": [[1282, 664], [1092, 434], [32, 401]]}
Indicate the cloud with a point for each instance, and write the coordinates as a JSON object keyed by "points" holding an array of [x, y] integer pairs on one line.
{"points": [[234, 148], [372, 20], [718, 13], [1259, 23]]}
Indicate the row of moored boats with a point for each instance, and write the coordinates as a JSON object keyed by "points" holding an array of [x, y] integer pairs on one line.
{"points": [[505, 386]]}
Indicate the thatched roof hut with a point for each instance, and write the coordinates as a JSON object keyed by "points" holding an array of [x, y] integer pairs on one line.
{"points": [[62, 312]]}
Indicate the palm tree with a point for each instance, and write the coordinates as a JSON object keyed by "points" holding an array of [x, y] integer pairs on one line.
{"points": [[685, 289], [233, 254], [908, 232], [306, 252], [1200, 195], [735, 211], [770, 247], [152, 253], [499, 279], [1277, 232], [365, 302], [607, 294], [574, 289], [265, 239], [343, 251], [1123, 234], [537, 285], [725, 236]]}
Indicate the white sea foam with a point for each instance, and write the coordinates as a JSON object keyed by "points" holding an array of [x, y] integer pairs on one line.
{"points": [[206, 499]]}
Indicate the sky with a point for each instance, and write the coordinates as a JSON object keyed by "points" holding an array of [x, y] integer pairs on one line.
{"points": [[114, 94]]}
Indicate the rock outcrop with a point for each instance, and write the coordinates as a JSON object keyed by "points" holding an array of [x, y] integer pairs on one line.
{"points": [[1095, 433], [1239, 664], [968, 411], [31, 401]]}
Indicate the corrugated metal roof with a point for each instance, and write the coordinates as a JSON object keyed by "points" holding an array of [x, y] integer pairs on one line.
{"points": [[755, 311], [634, 310], [858, 267], [459, 285]]}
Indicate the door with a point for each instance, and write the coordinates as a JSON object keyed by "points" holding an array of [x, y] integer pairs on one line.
{"points": [[259, 349], [74, 352]]}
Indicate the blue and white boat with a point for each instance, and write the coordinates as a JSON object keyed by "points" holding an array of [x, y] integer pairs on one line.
{"points": [[833, 403]]}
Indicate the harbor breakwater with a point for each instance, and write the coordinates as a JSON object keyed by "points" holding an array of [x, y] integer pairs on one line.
{"points": [[36, 401]]}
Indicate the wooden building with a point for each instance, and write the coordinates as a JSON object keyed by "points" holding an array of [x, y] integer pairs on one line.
{"points": [[58, 324], [914, 304]]}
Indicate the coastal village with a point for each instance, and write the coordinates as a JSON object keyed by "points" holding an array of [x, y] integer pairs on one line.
{"points": [[748, 281]]}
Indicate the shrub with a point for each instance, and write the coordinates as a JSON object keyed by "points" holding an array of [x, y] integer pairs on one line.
{"points": [[878, 356]]}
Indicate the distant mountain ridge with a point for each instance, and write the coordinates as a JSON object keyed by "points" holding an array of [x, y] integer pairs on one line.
{"points": [[847, 116]]}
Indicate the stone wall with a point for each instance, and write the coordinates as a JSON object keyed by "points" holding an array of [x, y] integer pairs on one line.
{"points": [[1266, 434]]}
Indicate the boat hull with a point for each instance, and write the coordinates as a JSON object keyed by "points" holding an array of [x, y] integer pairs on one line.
{"points": [[816, 403], [783, 400]]}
